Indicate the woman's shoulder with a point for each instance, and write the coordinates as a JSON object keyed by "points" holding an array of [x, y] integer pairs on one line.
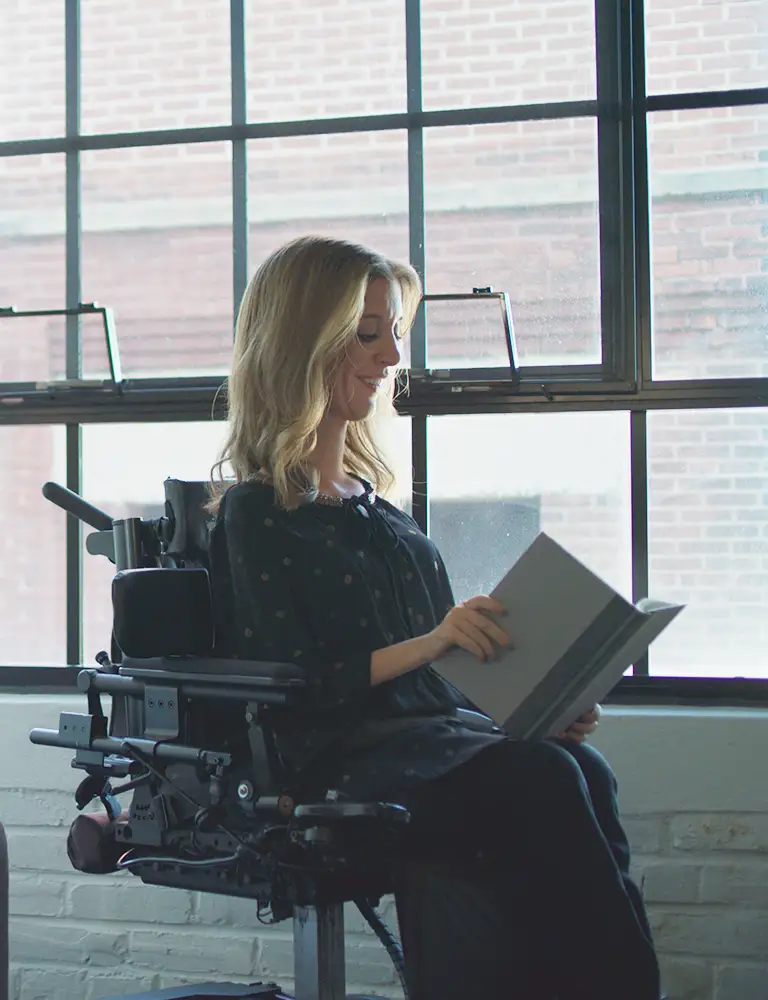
{"points": [[397, 514], [248, 497], [394, 510]]}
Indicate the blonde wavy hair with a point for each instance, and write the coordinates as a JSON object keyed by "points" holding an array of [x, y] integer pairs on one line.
{"points": [[297, 316]]}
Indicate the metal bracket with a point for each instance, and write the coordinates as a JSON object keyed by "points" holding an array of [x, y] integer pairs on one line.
{"points": [[260, 763], [110, 338], [513, 378], [82, 729], [161, 712]]}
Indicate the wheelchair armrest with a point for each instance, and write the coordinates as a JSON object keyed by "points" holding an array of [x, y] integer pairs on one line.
{"points": [[216, 670], [263, 682]]}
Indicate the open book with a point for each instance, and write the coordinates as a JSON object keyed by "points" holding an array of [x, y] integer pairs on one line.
{"points": [[572, 638]]}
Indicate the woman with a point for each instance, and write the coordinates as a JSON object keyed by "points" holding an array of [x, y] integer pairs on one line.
{"points": [[312, 566]]}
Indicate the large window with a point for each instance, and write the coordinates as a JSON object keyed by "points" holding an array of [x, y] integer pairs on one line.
{"points": [[152, 156]]}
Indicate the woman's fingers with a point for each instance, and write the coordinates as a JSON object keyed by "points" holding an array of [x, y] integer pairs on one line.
{"points": [[486, 624], [468, 631], [581, 729], [470, 626], [570, 734], [484, 603], [472, 642], [588, 722]]}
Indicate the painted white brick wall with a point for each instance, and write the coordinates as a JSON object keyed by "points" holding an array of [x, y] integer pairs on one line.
{"points": [[694, 797]]}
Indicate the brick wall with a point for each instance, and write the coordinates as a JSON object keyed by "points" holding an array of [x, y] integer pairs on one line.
{"points": [[689, 790]]}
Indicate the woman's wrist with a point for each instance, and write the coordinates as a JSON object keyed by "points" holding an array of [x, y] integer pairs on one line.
{"points": [[400, 658]]}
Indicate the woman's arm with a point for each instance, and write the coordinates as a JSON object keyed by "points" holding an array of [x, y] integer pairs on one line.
{"points": [[391, 661], [468, 625]]}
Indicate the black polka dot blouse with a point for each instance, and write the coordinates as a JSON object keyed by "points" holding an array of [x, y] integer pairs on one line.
{"points": [[323, 587]]}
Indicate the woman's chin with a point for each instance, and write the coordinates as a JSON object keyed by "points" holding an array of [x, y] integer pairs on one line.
{"points": [[362, 410]]}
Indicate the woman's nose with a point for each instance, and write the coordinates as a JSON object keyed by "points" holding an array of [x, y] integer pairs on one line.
{"points": [[390, 351]]}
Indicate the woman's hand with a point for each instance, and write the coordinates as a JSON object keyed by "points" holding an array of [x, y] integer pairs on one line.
{"points": [[469, 626], [583, 727]]}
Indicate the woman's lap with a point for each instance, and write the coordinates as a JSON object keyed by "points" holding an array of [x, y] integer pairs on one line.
{"points": [[532, 811]]}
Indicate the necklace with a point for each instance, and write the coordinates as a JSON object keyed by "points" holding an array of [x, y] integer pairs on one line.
{"points": [[329, 500]]}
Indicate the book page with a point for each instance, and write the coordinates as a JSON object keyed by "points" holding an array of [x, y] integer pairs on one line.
{"points": [[593, 684]]}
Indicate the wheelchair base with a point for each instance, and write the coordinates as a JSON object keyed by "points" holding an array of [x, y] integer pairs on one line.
{"points": [[228, 991], [213, 991]]}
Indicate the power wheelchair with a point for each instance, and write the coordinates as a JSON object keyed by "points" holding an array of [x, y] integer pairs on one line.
{"points": [[206, 817]]}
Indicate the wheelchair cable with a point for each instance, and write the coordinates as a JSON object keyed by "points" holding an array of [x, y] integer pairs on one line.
{"points": [[185, 862], [130, 751], [387, 938]]}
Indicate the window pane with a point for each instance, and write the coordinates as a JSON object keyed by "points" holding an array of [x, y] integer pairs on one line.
{"points": [[466, 333], [708, 524], [149, 65], [325, 58], [709, 241], [31, 264], [31, 70], [124, 467], [394, 436], [352, 186], [563, 473], [157, 247], [32, 547], [700, 45], [507, 52], [515, 206]]}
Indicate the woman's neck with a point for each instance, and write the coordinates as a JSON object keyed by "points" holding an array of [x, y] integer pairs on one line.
{"points": [[328, 458]]}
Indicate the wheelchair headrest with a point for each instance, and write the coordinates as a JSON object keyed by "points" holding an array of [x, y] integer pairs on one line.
{"points": [[192, 525]]}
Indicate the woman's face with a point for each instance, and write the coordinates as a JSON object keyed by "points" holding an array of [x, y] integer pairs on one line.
{"points": [[371, 355]]}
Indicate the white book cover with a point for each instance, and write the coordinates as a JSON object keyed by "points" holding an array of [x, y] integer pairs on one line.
{"points": [[572, 638]]}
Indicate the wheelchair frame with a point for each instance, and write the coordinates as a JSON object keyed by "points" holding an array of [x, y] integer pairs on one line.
{"points": [[314, 894]]}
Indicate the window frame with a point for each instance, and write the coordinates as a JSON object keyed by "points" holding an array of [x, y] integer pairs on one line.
{"points": [[623, 380]]}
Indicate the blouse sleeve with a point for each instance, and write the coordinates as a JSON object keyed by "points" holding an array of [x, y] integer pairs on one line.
{"points": [[264, 618], [445, 598]]}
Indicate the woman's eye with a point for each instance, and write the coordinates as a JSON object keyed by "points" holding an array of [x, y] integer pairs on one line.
{"points": [[366, 338]]}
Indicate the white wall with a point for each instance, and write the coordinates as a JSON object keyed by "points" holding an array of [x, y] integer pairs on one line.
{"points": [[694, 796]]}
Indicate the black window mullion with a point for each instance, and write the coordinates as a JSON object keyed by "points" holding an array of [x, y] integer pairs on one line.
{"points": [[638, 438], [239, 155], [614, 154], [642, 207], [74, 560], [73, 335], [416, 223], [743, 97], [416, 249], [420, 495]]}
